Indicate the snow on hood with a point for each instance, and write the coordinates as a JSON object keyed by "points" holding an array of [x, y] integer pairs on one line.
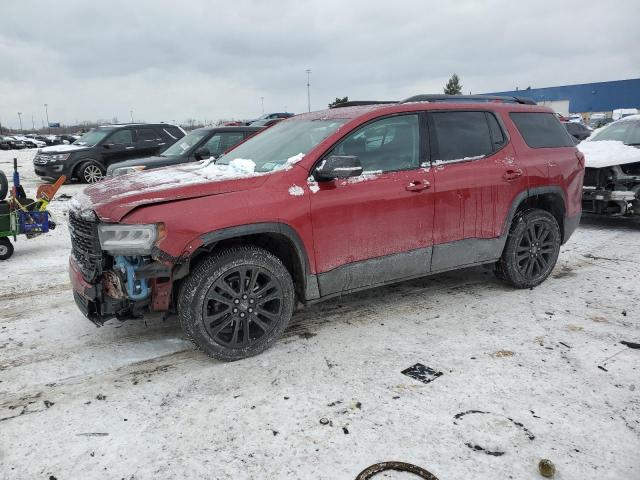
{"points": [[605, 153], [112, 199], [62, 148]]}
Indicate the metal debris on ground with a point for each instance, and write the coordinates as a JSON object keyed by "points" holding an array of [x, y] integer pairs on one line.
{"points": [[421, 373], [373, 470]]}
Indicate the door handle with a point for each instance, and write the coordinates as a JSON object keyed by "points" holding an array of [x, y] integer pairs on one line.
{"points": [[417, 186], [511, 175]]}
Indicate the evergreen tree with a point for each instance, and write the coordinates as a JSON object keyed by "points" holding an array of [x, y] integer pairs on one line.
{"points": [[338, 101], [453, 86]]}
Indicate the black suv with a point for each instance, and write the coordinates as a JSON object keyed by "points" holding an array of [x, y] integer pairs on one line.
{"points": [[87, 158], [197, 145]]}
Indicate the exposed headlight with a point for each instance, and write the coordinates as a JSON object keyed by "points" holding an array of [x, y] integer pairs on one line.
{"points": [[128, 239], [125, 170], [60, 157]]}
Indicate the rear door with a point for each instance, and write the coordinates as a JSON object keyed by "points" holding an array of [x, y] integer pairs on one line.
{"points": [[376, 227], [476, 179], [148, 141]]}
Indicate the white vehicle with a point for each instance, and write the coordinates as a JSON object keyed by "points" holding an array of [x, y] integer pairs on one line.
{"points": [[612, 173], [619, 113], [575, 118], [30, 142]]}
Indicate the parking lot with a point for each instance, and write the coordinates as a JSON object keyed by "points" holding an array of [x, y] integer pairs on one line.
{"points": [[524, 375]]}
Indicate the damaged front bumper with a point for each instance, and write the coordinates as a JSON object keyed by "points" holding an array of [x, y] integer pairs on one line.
{"points": [[608, 202], [132, 287]]}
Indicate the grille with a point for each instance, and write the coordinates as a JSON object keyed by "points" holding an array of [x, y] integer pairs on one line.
{"points": [[85, 245]]}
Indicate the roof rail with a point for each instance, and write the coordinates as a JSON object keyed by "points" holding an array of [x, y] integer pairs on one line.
{"points": [[357, 103], [468, 98]]}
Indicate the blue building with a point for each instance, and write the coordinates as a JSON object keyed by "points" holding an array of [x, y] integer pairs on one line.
{"points": [[585, 97]]}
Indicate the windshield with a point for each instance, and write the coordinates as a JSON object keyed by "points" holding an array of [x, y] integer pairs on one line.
{"points": [[185, 144], [92, 137], [616, 131], [271, 148]]}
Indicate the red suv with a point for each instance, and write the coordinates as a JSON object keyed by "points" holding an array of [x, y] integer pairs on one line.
{"points": [[324, 204]]}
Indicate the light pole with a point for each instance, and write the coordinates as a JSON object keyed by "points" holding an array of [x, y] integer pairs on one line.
{"points": [[46, 111], [20, 117], [131, 112], [33, 123], [262, 103], [308, 71]]}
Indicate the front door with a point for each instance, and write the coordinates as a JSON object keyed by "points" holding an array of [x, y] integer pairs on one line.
{"points": [[119, 146], [377, 227]]}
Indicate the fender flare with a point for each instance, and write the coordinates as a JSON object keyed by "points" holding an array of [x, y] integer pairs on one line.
{"points": [[310, 286], [529, 193]]}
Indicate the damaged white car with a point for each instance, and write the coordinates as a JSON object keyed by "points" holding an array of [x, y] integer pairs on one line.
{"points": [[612, 174]]}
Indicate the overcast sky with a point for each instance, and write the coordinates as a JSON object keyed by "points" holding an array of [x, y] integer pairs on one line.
{"points": [[174, 60]]}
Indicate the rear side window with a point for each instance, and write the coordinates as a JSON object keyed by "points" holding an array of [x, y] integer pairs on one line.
{"points": [[462, 135], [121, 137], [172, 132], [541, 130], [146, 135]]}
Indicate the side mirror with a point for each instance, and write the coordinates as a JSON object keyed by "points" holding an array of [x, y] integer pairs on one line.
{"points": [[338, 167], [201, 153]]}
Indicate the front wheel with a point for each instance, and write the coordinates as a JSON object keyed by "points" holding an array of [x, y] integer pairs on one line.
{"points": [[236, 303], [90, 172], [6, 249], [532, 249]]}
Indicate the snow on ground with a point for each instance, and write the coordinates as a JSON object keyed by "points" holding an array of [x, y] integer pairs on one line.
{"points": [[541, 373]]}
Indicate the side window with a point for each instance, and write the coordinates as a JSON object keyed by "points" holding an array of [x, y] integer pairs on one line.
{"points": [[461, 135], [213, 144], [172, 132], [146, 135], [230, 139], [634, 134], [497, 135], [385, 145], [121, 137], [541, 130]]}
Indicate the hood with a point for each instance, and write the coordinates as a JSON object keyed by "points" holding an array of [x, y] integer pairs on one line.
{"points": [[148, 162], [114, 198], [606, 153], [64, 148]]}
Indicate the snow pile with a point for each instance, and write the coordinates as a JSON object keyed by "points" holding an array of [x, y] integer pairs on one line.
{"points": [[296, 191], [604, 153], [291, 161]]}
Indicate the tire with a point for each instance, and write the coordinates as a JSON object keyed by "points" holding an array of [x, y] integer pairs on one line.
{"points": [[4, 185], [6, 249], [245, 316], [531, 251], [90, 172]]}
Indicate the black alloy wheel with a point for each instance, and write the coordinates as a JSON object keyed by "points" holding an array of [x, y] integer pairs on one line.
{"points": [[531, 250], [237, 302]]}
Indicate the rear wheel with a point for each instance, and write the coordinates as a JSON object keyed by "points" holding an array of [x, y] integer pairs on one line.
{"points": [[236, 303], [6, 249], [532, 249], [90, 172]]}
